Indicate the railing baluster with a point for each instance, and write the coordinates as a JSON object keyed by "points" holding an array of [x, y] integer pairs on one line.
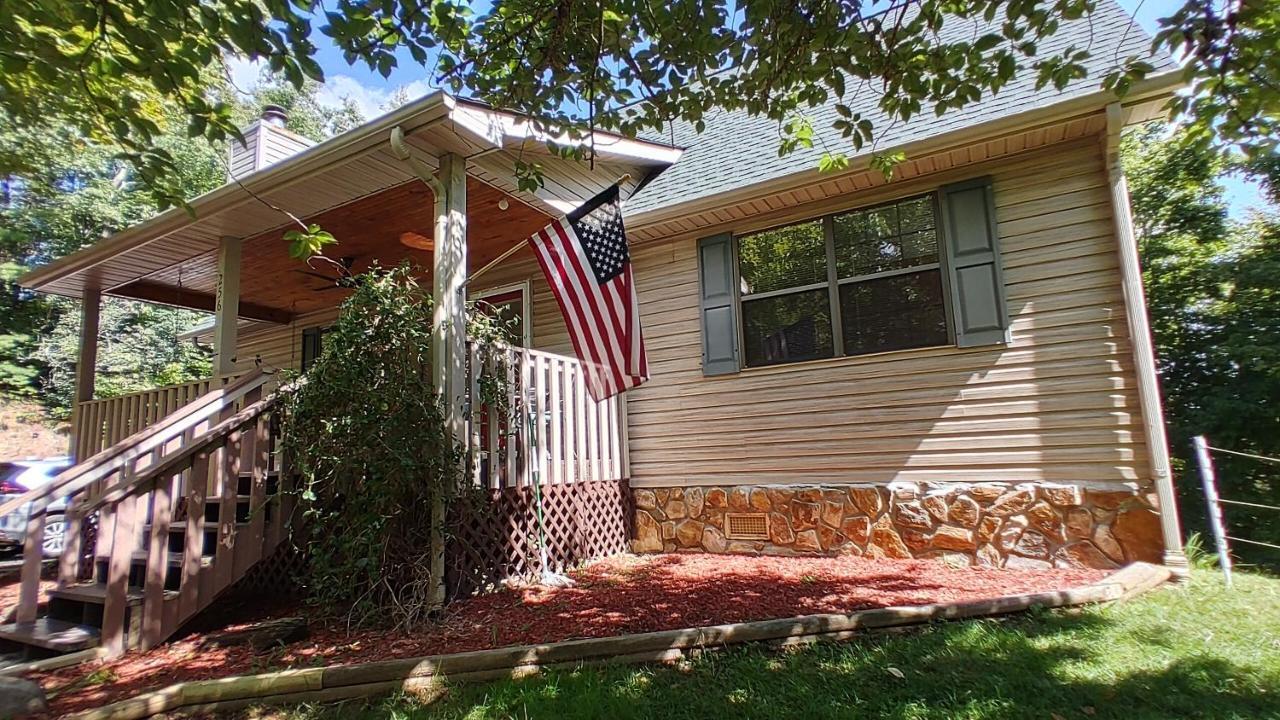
{"points": [[193, 551], [593, 439], [157, 564], [494, 427], [509, 422], [32, 562], [580, 422], [123, 539], [555, 416], [256, 451], [228, 464], [540, 414]]}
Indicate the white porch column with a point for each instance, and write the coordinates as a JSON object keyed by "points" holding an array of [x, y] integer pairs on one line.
{"points": [[1135, 303], [226, 310], [448, 327], [86, 366], [449, 287]]}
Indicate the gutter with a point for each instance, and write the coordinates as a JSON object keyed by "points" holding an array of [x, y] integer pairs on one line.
{"points": [[1152, 88]]}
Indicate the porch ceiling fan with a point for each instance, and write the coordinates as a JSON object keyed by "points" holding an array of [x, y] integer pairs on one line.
{"points": [[344, 278]]}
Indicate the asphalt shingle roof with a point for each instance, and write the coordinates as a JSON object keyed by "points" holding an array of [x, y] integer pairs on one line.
{"points": [[737, 150]]}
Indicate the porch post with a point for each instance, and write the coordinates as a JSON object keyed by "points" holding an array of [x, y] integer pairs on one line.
{"points": [[86, 368], [1135, 303], [226, 310], [448, 328], [449, 275]]}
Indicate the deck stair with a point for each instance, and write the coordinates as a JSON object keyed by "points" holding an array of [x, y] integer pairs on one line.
{"points": [[184, 508]]}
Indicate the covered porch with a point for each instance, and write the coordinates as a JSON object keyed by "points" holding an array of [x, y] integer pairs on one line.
{"points": [[185, 485], [442, 196]]}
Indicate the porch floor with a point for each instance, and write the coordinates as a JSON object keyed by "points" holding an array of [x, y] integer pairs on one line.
{"points": [[620, 595]]}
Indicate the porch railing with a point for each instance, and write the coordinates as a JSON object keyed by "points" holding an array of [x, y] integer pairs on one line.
{"points": [[104, 422], [550, 430]]}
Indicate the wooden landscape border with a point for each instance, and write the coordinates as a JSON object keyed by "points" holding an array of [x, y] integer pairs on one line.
{"points": [[429, 675]]}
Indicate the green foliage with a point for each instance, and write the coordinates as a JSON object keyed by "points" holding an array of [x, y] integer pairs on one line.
{"points": [[628, 65], [109, 69], [1213, 290], [366, 429], [137, 349], [63, 191], [305, 243]]}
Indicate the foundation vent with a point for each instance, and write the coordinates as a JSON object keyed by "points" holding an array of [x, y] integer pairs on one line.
{"points": [[746, 526]]}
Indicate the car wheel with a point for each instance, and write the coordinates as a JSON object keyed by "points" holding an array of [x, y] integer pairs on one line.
{"points": [[55, 536]]}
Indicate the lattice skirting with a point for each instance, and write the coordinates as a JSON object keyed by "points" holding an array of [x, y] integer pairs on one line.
{"points": [[494, 536]]}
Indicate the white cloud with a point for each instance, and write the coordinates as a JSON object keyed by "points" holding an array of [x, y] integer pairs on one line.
{"points": [[368, 98], [244, 72]]}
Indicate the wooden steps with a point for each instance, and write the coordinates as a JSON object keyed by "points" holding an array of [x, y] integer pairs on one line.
{"points": [[210, 467], [58, 636]]}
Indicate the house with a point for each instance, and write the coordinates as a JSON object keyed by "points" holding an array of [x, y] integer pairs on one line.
{"points": [[953, 363]]}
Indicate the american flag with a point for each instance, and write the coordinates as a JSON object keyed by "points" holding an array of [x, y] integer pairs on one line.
{"points": [[586, 260]]}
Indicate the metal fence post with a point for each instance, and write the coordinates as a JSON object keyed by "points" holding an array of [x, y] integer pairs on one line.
{"points": [[1216, 524]]}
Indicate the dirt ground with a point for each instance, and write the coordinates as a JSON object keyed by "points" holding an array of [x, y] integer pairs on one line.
{"points": [[620, 595], [26, 432]]}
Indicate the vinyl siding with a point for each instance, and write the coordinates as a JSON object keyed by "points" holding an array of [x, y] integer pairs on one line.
{"points": [[1057, 404]]}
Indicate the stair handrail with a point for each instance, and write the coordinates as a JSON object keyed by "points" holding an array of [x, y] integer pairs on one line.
{"points": [[116, 457], [174, 462]]}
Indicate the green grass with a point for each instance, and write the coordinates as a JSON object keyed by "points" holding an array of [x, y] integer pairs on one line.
{"points": [[1199, 651]]}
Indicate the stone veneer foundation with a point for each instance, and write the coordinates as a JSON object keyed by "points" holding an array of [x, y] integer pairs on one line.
{"points": [[1029, 525]]}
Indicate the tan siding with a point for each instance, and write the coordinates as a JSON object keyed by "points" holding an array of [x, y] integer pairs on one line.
{"points": [[1056, 404]]}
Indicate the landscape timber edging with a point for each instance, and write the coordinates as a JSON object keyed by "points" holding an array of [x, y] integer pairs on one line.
{"points": [[428, 674]]}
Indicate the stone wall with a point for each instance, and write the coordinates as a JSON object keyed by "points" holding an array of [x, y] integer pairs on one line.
{"points": [[995, 525]]}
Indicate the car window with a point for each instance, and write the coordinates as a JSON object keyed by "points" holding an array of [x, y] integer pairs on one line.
{"points": [[9, 473]]}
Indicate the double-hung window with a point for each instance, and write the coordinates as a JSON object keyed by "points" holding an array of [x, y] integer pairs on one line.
{"points": [[864, 281], [921, 271]]}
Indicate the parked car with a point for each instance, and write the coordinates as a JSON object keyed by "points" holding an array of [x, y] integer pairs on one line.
{"points": [[19, 476]]}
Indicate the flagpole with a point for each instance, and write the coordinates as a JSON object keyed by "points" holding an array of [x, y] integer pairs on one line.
{"points": [[520, 246]]}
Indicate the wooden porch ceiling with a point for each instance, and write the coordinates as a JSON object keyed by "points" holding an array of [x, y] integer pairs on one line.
{"points": [[273, 286]]}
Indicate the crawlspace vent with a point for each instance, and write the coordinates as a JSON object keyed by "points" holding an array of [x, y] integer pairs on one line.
{"points": [[746, 526]]}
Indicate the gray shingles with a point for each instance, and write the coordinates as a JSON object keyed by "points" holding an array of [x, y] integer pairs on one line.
{"points": [[737, 150]]}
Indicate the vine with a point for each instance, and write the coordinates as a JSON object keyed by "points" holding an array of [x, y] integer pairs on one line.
{"points": [[367, 431]]}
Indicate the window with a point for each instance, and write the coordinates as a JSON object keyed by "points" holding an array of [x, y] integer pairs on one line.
{"points": [[312, 345], [510, 306], [858, 282]]}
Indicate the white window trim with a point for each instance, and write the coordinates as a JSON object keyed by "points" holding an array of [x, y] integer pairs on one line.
{"points": [[526, 304]]}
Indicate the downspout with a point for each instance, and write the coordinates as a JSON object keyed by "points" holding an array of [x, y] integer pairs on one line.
{"points": [[438, 191], [1144, 357]]}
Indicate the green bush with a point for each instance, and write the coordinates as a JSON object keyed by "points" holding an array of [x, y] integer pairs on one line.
{"points": [[367, 432]]}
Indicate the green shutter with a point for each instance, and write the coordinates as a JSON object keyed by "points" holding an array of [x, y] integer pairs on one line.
{"points": [[972, 257], [717, 275]]}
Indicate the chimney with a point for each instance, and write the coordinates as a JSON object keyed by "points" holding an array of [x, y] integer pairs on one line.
{"points": [[266, 142]]}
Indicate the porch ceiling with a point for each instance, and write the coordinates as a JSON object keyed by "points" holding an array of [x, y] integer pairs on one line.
{"points": [[356, 188], [274, 286]]}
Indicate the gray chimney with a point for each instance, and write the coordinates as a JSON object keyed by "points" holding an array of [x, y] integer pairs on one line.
{"points": [[266, 142]]}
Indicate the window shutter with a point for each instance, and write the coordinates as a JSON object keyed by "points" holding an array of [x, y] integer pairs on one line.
{"points": [[717, 275], [972, 258]]}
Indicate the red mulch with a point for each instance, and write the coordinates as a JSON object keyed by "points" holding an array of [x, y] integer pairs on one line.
{"points": [[616, 596], [11, 586]]}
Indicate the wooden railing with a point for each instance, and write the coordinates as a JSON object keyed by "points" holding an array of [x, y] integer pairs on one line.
{"points": [[550, 431], [104, 422], [165, 477]]}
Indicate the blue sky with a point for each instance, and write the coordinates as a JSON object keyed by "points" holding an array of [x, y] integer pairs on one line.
{"points": [[370, 90]]}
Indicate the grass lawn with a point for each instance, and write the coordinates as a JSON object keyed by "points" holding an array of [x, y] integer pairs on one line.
{"points": [[1200, 651]]}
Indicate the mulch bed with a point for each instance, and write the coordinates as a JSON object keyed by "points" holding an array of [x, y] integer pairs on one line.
{"points": [[616, 596]]}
